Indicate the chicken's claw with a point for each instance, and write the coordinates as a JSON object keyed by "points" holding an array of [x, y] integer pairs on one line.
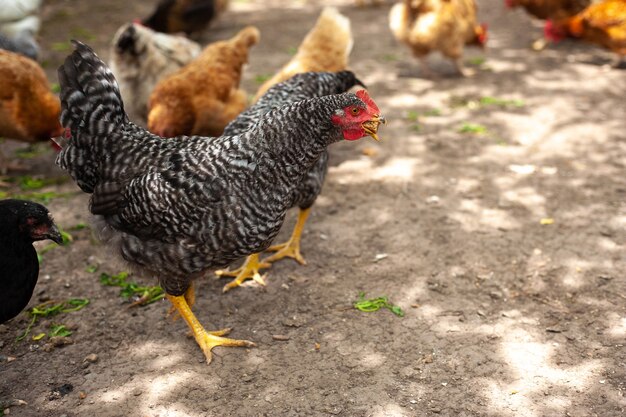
{"points": [[286, 250], [291, 248], [206, 340], [249, 270]]}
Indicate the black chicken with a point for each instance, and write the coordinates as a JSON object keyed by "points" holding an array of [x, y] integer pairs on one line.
{"points": [[178, 208], [21, 224], [297, 88], [189, 16]]}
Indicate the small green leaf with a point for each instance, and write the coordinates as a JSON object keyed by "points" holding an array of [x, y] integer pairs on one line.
{"points": [[58, 330], [79, 226], [75, 304], [375, 304], [67, 238], [412, 116], [432, 113], [474, 128], [397, 311], [494, 101], [55, 88], [91, 268], [39, 336], [390, 57], [42, 197], [62, 46], [144, 295], [32, 151], [477, 61], [113, 280], [83, 34], [261, 78], [49, 309]]}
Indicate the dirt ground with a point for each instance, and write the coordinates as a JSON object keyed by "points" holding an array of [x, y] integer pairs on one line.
{"points": [[505, 313]]}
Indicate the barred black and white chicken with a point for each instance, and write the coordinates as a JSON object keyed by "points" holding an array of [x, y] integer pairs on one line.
{"points": [[178, 208], [299, 87]]}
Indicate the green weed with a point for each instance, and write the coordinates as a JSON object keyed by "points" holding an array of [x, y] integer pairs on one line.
{"points": [[49, 309], [375, 304], [144, 295], [473, 128], [261, 78]]}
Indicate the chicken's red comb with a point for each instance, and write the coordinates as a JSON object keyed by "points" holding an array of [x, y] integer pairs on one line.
{"points": [[371, 106]]}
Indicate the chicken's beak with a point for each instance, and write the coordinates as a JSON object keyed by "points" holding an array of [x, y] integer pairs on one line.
{"points": [[371, 126], [54, 235]]}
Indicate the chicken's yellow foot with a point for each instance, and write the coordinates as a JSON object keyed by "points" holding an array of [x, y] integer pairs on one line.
{"points": [[206, 340], [291, 249], [190, 297], [250, 269]]}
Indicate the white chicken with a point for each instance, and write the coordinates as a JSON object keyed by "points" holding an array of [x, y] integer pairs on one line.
{"points": [[141, 57], [20, 23], [19, 15]]}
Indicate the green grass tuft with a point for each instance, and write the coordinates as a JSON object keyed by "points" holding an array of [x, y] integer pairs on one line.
{"points": [[473, 128], [375, 304], [261, 78], [143, 295], [49, 309]]}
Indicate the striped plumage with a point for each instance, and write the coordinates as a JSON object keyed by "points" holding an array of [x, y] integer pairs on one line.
{"points": [[179, 207]]}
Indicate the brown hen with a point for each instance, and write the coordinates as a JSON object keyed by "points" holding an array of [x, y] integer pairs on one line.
{"points": [[550, 9], [602, 23], [28, 110], [204, 96]]}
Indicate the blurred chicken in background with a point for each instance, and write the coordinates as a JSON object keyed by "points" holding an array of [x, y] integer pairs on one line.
{"points": [[437, 25], [20, 23], [22, 43], [29, 112], [204, 96], [188, 16], [602, 23], [140, 57], [325, 48], [548, 10]]}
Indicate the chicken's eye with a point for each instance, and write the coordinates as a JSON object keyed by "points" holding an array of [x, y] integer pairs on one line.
{"points": [[355, 111]]}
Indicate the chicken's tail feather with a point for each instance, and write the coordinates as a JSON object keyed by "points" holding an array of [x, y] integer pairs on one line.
{"points": [[332, 21], [90, 96], [248, 36], [349, 80]]}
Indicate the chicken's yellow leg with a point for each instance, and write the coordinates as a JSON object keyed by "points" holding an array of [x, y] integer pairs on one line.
{"points": [[190, 297], [291, 249], [250, 269], [206, 340]]}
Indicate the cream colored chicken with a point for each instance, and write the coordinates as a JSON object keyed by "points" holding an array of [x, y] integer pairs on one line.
{"points": [[325, 48], [437, 25]]}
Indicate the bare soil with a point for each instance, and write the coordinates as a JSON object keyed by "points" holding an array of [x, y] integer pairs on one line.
{"points": [[504, 315]]}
